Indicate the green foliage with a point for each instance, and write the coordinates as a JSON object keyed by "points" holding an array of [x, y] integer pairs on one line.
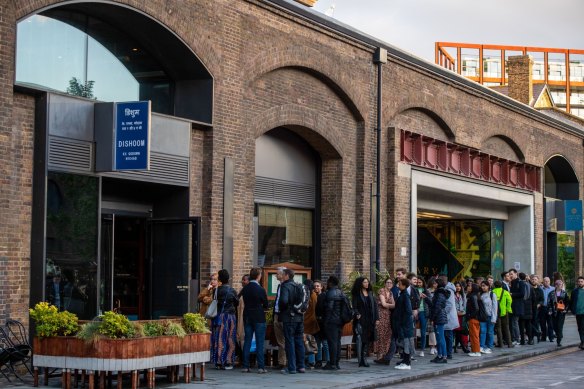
{"points": [[89, 332], [376, 284], [153, 328], [195, 323], [79, 88], [50, 322], [567, 259], [115, 325], [174, 329]]}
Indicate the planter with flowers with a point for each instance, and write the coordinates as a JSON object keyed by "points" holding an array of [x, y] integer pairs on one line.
{"points": [[115, 344]]}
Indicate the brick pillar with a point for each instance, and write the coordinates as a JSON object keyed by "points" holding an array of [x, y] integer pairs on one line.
{"points": [[520, 78]]}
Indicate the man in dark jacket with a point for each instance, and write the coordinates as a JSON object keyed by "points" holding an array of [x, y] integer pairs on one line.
{"points": [[293, 324], [577, 308], [525, 320], [255, 302], [537, 305], [517, 305], [333, 325]]}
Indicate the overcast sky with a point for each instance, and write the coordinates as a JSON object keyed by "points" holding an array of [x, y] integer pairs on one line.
{"points": [[415, 25]]}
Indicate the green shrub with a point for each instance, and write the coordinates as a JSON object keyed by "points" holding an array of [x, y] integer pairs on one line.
{"points": [[153, 328], [50, 322], [115, 325], [174, 329], [195, 323]]}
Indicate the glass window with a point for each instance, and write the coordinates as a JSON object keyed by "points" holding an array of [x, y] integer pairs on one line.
{"points": [[87, 57], [71, 243], [284, 235]]}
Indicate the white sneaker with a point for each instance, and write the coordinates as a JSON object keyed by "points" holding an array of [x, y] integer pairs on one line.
{"points": [[483, 351], [421, 353], [488, 351], [403, 366], [474, 354], [433, 351]]}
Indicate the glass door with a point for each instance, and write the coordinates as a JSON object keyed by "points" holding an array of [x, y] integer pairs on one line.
{"points": [[174, 263]]}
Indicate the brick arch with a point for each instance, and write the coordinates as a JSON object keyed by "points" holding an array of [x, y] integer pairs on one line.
{"points": [[171, 19], [513, 152], [315, 63], [318, 131], [431, 112]]}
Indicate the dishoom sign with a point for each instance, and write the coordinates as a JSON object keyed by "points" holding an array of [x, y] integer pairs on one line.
{"points": [[132, 136]]}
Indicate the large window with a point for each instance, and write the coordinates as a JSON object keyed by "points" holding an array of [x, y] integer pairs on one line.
{"points": [[87, 57], [71, 243], [284, 235]]}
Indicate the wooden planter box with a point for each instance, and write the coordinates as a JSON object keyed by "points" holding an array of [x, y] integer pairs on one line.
{"points": [[121, 355]]}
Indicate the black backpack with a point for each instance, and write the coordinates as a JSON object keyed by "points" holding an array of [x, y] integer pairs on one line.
{"points": [[346, 311], [301, 298], [482, 314]]}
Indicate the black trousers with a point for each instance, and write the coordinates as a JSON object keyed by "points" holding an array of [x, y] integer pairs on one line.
{"points": [[333, 338], [580, 323], [558, 320], [525, 329], [546, 324]]}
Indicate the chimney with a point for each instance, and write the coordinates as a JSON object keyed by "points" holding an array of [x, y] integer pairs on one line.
{"points": [[520, 70]]}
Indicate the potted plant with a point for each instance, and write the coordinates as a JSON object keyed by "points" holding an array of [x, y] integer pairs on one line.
{"points": [[114, 343]]}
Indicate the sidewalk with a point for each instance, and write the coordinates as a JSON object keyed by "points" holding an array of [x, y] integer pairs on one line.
{"points": [[352, 377]]}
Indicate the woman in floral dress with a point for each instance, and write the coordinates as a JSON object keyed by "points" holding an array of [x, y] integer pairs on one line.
{"points": [[385, 303]]}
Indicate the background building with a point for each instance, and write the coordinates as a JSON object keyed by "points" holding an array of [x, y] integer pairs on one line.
{"points": [[561, 69]]}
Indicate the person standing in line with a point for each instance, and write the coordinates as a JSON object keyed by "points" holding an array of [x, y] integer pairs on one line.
{"points": [[403, 325], [423, 313], [502, 324], [577, 308], [452, 316], [525, 328], [293, 325], [366, 315], [431, 288], [278, 326], [206, 295], [400, 273], [536, 307], [255, 302], [311, 327], [545, 320], [322, 354], [415, 301], [461, 334], [517, 305], [440, 318], [333, 325], [223, 334], [385, 305], [558, 303], [487, 334], [472, 314], [240, 322]]}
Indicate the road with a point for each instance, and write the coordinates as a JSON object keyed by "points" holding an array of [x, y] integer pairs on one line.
{"points": [[562, 369]]}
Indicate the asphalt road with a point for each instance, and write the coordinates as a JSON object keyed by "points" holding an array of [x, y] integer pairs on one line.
{"points": [[563, 369]]}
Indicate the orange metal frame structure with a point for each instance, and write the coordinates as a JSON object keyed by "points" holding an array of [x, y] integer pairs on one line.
{"points": [[444, 59]]}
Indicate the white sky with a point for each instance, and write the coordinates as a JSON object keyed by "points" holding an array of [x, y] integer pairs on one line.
{"points": [[415, 25]]}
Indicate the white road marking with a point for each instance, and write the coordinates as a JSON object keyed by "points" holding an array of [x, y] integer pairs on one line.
{"points": [[557, 383], [576, 378]]}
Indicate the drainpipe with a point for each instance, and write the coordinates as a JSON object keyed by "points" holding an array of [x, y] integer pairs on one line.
{"points": [[379, 58]]}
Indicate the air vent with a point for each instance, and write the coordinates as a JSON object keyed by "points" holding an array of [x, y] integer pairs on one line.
{"points": [[164, 169], [280, 192], [70, 155]]}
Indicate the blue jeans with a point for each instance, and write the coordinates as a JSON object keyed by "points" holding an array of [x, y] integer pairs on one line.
{"points": [[260, 335], [294, 336], [323, 351], [423, 326], [487, 335], [449, 337], [440, 340]]}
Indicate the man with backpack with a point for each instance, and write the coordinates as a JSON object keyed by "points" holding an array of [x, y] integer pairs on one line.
{"points": [[292, 318]]}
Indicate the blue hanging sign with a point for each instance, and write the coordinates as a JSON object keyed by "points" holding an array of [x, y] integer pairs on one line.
{"points": [[573, 215], [132, 136]]}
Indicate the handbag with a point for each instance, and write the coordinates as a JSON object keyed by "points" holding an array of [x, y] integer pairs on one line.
{"points": [[310, 346], [211, 311], [561, 306]]}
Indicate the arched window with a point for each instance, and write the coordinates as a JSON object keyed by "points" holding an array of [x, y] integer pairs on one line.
{"points": [[112, 53]]}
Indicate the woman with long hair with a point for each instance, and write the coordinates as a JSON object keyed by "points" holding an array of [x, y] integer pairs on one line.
{"points": [[385, 304], [206, 295], [431, 287], [487, 335], [366, 315], [472, 314], [439, 317], [460, 333], [558, 303], [423, 312], [223, 329]]}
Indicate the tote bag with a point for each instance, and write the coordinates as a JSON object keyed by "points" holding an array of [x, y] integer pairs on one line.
{"points": [[211, 312]]}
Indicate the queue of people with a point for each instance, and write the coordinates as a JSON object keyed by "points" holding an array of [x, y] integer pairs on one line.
{"points": [[474, 316]]}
